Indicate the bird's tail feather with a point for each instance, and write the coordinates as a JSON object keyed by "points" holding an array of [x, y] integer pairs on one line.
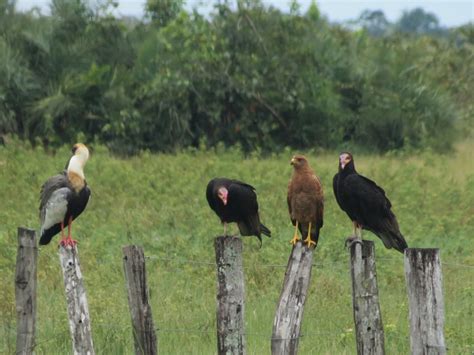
{"points": [[265, 230], [398, 242], [391, 236], [393, 239], [47, 235]]}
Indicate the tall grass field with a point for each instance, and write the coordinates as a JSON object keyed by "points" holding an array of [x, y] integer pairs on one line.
{"points": [[158, 202]]}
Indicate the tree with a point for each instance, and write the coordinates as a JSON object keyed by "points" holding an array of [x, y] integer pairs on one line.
{"points": [[417, 21], [374, 22], [161, 12]]}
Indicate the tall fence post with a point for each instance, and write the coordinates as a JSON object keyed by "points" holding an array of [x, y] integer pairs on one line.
{"points": [[230, 296], [289, 313], [425, 296], [365, 299], [25, 291], [142, 320], [77, 307]]}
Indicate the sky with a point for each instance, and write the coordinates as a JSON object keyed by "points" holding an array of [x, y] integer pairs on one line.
{"points": [[449, 12]]}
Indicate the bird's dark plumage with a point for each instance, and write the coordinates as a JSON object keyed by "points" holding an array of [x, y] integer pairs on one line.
{"points": [[64, 196], [366, 204], [236, 201]]}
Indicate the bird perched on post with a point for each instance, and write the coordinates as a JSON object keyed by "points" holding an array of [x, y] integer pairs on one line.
{"points": [[366, 205], [64, 197], [236, 201], [305, 201]]}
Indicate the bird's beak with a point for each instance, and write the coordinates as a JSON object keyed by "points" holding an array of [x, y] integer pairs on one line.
{"points": [[342, 162], [222, 194], [292, 161]]}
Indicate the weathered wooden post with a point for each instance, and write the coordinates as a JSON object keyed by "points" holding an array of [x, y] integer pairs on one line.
{"points": [[25, 291], [142, 320], [365, 299], [425, 296], [289, 313], [77, 307], [230, 296]]}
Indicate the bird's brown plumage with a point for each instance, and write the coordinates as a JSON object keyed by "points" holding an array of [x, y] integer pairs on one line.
{"points": [[305, 199]]}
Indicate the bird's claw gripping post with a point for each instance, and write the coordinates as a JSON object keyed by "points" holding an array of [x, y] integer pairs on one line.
{"points": [[350, 241], [65, 242], [295, 239], [295, 236], [310, 242], [308, 239]]}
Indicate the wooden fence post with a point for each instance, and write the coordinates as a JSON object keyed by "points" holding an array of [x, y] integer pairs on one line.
{"points": [[25, 291], [289, 313], [77, 307], [142, 320], [230, 296], [425, 295], [365, 299]]}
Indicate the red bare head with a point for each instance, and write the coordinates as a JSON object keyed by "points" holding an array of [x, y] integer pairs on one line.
{"points": [[222, 193]]}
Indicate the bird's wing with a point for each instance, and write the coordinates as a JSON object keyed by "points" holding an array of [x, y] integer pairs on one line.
{"points": [[288, 199], [369, 198], [210, 194], [377, 190], [319, 201], [244, 196], [52, 184], [243, 184], [55, 208], [335, 181], [244, 199]]}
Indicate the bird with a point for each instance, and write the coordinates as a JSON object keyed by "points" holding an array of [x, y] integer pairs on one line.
{"points": [[64, 197], [236, 201], [305, 201], [366, 205]]}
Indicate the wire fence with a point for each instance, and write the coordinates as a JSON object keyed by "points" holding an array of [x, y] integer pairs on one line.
{"points": [[198, 329], [342, 263], [207, 263], [469, 349]]}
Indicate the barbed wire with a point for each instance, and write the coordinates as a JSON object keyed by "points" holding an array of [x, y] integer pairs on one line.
{"points": [[199, 330], [29, 349], [342, 263], [337, 333]]}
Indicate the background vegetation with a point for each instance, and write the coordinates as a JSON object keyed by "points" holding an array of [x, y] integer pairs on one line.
{"points": [[158, 201], [235, 94], [246, 74]]}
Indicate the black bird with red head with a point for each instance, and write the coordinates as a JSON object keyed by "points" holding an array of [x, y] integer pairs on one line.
{"points": [[236, 201], [366, 204]]}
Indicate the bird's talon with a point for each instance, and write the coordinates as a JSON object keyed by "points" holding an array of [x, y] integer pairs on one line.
{"points": [[309, 242], [351, 241], [295, 240], [68, 242]]}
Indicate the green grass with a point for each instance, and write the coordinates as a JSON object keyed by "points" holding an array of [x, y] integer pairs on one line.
{"points": [[158, 202]]}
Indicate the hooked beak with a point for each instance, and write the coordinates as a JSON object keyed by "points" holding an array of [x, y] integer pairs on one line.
{"points": [[222, 194], [292, 161], [342, 163]]}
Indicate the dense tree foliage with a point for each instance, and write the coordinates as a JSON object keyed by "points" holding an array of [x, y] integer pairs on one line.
{"points": [[247, 75]]}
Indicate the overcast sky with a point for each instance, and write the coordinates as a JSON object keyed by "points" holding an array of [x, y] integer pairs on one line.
{"points": [[450, 13]]}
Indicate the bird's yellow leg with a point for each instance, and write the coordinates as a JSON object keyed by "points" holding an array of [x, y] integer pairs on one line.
{"points": [[308, 239], [295, 237]]}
